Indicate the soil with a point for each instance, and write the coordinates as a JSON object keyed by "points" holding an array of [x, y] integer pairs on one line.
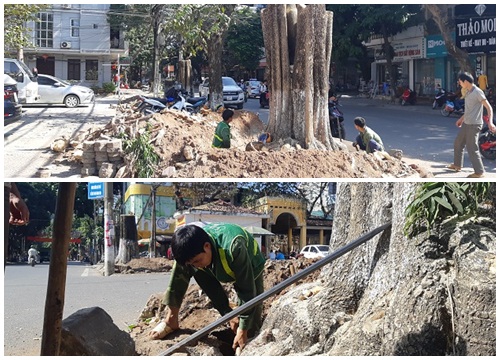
{"points": [[197, 312], [183, 143]]}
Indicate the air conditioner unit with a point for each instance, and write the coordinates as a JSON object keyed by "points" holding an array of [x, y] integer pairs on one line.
{"points": [[66, 6], [66, 45]]}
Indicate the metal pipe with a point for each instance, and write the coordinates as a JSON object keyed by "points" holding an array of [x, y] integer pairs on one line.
{"points": [[276, 289]]}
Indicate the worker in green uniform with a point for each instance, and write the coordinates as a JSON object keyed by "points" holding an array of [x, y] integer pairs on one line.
{"points": [[222, 136], [213, 254]]}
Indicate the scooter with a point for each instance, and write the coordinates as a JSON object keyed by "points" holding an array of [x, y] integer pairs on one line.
{"points": [[487, 143], [409, 97], [451, 107], [336, 119]]}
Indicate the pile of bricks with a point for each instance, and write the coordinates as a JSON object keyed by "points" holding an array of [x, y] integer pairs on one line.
{"points": [[101, 157]]}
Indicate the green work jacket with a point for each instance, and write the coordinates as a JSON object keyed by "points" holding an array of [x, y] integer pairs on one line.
{"points": [[222, 136], [236, 258]]}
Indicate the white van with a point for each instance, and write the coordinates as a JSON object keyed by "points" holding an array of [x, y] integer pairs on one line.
{"points": [[27, 83]]}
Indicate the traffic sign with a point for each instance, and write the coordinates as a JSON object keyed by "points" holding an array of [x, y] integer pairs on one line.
{"points": [[95, 190]]}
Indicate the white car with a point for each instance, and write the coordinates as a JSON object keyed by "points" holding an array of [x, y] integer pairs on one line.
{"points": [[56, 91], [232, 94], [315, 251]]}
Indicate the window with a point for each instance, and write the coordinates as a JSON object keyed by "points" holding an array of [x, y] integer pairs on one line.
{"points": [[74, 69], [74, 27], [45, 81], [91, 70], [44, 30]]}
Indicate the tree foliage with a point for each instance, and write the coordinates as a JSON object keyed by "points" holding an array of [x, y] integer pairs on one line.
{"points": [[435, 201], [245, 42], [16, 34]]}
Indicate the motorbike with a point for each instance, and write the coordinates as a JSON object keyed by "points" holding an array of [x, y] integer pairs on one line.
{"points": [[336, 119], [32, 261], [178, 102], [264, 100], [451, 107], [487, 143], [409, 97], [440, 98]]}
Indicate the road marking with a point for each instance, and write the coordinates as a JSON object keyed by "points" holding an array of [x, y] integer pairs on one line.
{"points": [[85, 272]]}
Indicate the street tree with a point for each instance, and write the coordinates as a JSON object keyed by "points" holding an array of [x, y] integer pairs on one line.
{"points": [[203, 27], [244, 44], [16, 34], [347, 37], [388, 20], [441, 16], [298, 47]]}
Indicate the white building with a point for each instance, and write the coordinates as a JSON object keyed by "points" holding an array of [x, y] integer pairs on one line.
{"points": [[75, 42]]}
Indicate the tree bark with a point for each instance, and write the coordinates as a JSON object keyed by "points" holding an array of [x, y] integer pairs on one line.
{"points": [[128, 239], [185, 75], [54, 303], [298, 50]]}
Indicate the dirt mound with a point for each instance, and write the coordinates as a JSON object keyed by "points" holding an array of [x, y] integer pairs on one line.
{"points": [[197, 311], [183, 143]]}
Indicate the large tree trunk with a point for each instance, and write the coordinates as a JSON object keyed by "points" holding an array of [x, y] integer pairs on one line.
{"points": [[298, 50], [215, 48], [185, 75], [429, 295], [128, 239]]}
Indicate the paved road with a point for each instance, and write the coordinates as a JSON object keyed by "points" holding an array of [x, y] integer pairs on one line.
{"points": [[121, 296], [27, 141], [425, 136]]}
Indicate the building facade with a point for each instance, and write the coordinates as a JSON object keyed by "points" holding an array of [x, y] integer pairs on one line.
{"points": [[422, 60], [75, 42]]}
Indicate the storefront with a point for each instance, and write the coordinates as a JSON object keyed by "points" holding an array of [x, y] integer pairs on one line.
{"points": [[475, 27]]}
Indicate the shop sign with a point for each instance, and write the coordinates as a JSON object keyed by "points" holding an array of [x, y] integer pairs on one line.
{"points": [[408, 50], [435, 46], [403, 50], [475, 27]]}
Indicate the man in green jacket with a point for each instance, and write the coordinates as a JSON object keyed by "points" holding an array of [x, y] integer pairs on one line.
{"points": [[222, 136], [367, 139], [213, 254]]}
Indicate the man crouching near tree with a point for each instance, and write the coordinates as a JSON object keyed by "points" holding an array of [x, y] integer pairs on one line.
{"points": [[213, 254]]}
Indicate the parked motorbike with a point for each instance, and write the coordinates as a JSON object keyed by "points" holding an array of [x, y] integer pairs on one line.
{"points": [[336, 118], [487, 143], [149, 106], [409, 97], [451, 107]]}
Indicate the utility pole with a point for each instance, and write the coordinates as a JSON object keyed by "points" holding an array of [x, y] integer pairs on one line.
{"points": [[152, 242], [157, 13], [109, 231]]}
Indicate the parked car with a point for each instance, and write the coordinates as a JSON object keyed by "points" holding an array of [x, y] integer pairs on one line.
{"points": [[27, 81], [232, 94], [12, 110], [56, 91], [253, 88], [314, 251], [203, 88]]}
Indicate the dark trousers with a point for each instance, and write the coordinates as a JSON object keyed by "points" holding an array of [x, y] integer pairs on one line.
{"points": [[372, 145]]}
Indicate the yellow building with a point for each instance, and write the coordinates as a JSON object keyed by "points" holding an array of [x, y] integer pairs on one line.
{"points": [[288, 217]]}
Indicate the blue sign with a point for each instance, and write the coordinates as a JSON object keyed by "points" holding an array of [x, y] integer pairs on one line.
{"points": [[95, 190]]}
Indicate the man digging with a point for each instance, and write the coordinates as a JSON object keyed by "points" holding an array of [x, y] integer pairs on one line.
{"points": [[213, 254]]}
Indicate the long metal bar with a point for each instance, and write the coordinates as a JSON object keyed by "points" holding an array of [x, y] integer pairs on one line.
{"points": [[276, 289]]}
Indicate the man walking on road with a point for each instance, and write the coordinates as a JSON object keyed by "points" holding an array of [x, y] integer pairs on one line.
{"points": [[213, 254], [470, 124]]}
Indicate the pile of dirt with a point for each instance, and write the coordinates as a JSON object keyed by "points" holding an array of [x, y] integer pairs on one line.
{"points": [[183, 143], [198, 312]]}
